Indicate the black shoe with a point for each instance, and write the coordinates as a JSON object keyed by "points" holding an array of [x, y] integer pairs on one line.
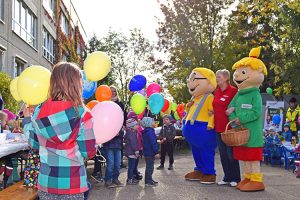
{"points": [[117, 183], [138, 177], [154, 182], [151, 184], [170, 167], [109, 184], [123, 166], [160, 167], [97, 178], [132, 182]]}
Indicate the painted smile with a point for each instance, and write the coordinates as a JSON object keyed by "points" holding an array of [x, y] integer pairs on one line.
{"points": [[241, 81], [193, 89]]}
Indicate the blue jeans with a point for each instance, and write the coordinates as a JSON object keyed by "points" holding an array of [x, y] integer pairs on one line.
{"points": [[230, 166], [149, 169], [131, 167], [86, 194], [113, 163]]}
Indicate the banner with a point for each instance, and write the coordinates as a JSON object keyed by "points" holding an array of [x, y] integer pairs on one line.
{"points": [[273, 108]]}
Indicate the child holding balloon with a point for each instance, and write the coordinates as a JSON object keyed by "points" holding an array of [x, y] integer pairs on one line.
{"points": [[62, 130]]}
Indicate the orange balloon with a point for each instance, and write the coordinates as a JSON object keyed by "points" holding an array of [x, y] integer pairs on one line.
{"points": [[91, 104], [103, 93]]}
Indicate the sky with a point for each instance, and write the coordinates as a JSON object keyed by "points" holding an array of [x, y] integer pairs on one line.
{"points": [[97, 16]]}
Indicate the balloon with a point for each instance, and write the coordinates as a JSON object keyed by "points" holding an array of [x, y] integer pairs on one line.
{"points": [[168, 112], [14, 89], [174, 107], [166, 105], [88, 88], [140, 116], [176, 116], [142, 92], [138, 103], [156, 103], [269, 91], [137, 83], [92, 104], [153, 88], [180, 110], [109, 118], [276, 119], [33, 85], [97, 65], [103, 93]]}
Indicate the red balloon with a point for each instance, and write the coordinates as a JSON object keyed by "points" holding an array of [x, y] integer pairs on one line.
{"points": [[166, 106], [103, 93], [180, 110]]}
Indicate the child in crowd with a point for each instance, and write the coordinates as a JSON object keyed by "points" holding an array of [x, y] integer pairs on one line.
{"points": [[166, 136], [3, 119], [287, 134], [131, 149], [62, 130], [150, 149], [272, 137]]}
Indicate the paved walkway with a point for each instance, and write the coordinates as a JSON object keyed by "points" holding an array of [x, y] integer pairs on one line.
{"points": [[281, 184]]}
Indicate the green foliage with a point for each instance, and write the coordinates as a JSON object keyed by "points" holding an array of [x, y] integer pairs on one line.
{"points": [[9, 102]]}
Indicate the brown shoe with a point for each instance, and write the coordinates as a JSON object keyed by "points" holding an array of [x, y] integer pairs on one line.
{"points": [[193, 176], [253, 186], [208, 179], [242, 183]]}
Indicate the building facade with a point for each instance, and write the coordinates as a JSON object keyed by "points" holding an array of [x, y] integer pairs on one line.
{"points": [[41, 32]]}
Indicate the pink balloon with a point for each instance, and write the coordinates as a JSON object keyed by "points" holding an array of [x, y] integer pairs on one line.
{"points": [[153, 88], [108, 121]]}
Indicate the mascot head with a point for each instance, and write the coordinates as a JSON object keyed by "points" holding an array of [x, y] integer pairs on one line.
{"points": [[249, 71], [201, 81]]}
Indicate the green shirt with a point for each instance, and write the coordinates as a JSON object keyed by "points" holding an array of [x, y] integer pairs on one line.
{"points": [[248, 109]]}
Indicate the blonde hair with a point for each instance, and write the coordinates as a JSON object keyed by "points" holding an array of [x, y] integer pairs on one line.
{"points": [[224, 72], [115, 88], [252, 61], [65, 83]]}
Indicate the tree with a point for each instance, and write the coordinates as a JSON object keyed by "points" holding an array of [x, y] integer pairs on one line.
{"points": [[9, 102], [188, 32]]}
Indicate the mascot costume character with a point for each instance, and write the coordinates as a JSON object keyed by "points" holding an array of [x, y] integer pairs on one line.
{"points": [[246, 109], [199, 123]]}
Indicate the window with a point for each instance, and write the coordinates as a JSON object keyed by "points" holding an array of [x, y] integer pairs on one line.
{"points": [[64, 58], [19, 67], [24, 23], [1, 60], [1, 9], [48, 44], [49, 5], [64, 24], [78, 50]]}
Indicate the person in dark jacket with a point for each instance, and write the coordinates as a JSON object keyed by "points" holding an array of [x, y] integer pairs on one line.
{"points": [[131, 149], [112, 150], [150, 149], [166, 136]]}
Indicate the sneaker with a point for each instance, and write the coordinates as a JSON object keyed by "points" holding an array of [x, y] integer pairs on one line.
{"points": [[170, 167], [138, 177], [109, 184], [160, 167], [151, 184], [155, 182], [117, 183], [222, 183], [233, 184], [132, 182], [123, 166], [97, 178]]}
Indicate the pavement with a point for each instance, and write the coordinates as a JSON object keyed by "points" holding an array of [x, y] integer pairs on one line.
{"points": [[280, 184]]}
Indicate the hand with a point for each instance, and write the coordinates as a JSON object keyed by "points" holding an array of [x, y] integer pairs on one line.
{"points": [[28, 111], [210, 113], [237, 121], [229, 111], [189, 104], [157, 156], [209, 128]]}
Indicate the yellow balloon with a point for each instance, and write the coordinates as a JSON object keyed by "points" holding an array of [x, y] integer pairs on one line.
{"points": [[97, 65], [168, 111], [14, 89], [33, 85]]}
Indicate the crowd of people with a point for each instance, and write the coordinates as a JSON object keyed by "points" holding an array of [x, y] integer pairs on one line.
{"points": [[61, 139]]}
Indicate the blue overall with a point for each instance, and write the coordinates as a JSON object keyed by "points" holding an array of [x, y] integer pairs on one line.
{"points": [[203, 143]]}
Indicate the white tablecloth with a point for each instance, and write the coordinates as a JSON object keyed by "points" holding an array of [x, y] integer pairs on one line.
{"points": [[10, 148]]}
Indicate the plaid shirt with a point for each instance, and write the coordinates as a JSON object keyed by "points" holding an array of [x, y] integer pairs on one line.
{"points": [[64, 137]]}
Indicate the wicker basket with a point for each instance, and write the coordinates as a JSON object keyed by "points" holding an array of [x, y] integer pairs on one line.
{"points": [[235, 136]]}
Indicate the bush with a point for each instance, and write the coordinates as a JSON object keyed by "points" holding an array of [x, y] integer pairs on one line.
{"points": [[9, 102]]}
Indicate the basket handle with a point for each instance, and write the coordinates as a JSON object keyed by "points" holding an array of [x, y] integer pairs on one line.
{"points": [[229, 124]]}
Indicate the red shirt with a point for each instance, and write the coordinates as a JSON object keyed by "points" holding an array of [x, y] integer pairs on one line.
{"points": [[220, 104]]}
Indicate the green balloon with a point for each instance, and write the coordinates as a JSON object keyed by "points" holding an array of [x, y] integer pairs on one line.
{"points": [[176, 116], [174, 107], [138, 103], [269, 91]]}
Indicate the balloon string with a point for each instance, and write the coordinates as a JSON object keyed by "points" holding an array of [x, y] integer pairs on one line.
{"points": [[99, 156]]}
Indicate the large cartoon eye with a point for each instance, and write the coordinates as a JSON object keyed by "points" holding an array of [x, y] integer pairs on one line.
{"points": [[244, 72]]}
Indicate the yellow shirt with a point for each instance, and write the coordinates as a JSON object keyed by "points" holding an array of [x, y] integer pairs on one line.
{"points": [[203, 115]]}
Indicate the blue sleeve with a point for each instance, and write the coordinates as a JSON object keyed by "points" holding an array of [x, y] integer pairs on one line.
{"points": [[154, 142], [30, 132]]}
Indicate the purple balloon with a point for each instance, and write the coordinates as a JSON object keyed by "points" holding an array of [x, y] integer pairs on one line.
{"points": [[142, 92]]}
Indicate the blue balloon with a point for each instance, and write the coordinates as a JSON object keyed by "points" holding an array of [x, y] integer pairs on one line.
{"points": [[276, 119], [156, 103], [137, 83], [88, 88]]}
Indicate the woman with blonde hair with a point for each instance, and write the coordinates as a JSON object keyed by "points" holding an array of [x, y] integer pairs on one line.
{"points": [[62, 130]]}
